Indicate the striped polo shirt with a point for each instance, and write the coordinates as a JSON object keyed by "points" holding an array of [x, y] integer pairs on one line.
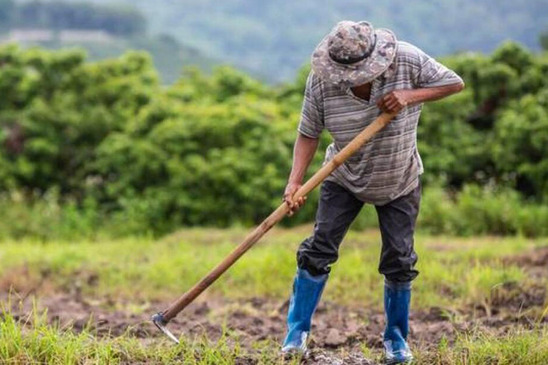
{"points": [[389, 165]]}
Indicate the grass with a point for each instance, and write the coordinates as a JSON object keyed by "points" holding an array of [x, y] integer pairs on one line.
{"points": [[516, 347], [466, 268], [45, 344], [455, 274]]}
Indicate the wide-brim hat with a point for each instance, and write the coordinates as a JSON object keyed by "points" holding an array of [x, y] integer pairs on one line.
{"points": [[354, 53]]}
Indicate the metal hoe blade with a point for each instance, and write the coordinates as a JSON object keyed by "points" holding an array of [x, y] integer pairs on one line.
{"points": [[160, 322]]}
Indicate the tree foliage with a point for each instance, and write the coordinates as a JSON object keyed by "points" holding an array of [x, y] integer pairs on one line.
{"points": [[544, 40], [125, 24], [216, 149]]}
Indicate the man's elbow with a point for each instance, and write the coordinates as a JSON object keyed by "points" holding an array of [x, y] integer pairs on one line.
{"points": [[453, 88], [458, 87]]}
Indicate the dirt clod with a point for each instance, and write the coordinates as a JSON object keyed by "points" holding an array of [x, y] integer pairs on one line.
{"points": [[334, 338]]}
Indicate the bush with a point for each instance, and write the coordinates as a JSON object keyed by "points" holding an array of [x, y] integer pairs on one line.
{"points": [[45, 218], [476, 210], [103, 144]]}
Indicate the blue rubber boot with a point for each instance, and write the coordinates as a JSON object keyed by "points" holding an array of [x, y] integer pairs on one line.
{"points": [[307, 290], [396, 306]]}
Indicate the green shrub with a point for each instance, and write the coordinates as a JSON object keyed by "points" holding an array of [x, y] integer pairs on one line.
{"points": [[44, 217], [104, 145], [476, 210], [437, 211]]}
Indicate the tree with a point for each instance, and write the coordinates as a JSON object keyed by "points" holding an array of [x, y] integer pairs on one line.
{"points": [[521, 137], [544, 40]]}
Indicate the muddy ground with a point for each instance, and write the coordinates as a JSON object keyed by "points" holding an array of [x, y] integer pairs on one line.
{"points": [[338, 331]]}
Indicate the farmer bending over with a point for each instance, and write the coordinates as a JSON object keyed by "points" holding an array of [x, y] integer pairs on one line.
{"points": [[357, 72]]}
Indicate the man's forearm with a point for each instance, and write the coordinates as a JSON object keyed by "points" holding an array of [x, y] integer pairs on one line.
{"points": [[417, 96], [303, 152]]}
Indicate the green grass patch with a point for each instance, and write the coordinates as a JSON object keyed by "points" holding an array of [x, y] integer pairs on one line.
{"points": [[41, 343], [456, 273], [38, 342], [517, 347], [453, 272]]}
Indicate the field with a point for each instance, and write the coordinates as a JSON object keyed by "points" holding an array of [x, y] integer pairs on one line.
{"points": [[102, 165], [476, 301]]}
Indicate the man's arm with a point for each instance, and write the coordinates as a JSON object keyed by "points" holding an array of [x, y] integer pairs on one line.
{"points": [[398, 99], [303, 152]]}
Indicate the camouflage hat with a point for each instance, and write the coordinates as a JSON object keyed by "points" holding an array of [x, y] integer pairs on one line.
{"points": [[354, 53]]}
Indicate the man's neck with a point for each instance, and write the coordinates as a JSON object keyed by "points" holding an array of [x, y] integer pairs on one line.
{"points": [[362, 91]]}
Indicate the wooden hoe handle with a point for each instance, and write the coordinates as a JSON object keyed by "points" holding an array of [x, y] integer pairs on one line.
{"points": [[276, 216]]}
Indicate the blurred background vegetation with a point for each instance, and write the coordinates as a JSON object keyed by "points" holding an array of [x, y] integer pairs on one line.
{"points": [[103, 30], [114, 147], [269, 39]]}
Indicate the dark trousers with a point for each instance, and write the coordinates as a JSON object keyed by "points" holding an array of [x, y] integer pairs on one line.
{"points": [[337, 209]]}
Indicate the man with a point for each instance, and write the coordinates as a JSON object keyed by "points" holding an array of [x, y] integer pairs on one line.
{"points": [[357, 72]]}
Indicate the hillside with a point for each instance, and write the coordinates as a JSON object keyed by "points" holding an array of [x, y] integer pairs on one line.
{"points": [[103, 30], [170, 57], [274, 38]]}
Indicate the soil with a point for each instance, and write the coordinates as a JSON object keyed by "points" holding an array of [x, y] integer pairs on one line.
{"points": [[534, 262], [337, 335], [338, 332]]}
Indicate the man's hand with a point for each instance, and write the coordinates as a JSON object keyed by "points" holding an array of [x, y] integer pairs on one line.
{"points": [[290, 190], [395, 101]]}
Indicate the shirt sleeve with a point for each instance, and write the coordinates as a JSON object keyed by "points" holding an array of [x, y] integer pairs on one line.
{"points": [[312, 122], [431, 73]]}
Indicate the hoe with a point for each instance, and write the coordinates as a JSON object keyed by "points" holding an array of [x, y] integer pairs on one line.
{"points": [[161, 319]]}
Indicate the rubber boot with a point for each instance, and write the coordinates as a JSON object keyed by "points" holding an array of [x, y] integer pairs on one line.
{"points": [[396, 306], [307, 290]]}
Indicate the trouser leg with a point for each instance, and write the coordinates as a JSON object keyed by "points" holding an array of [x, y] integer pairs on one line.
{"points": [[337, 209], [397, 224]]}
